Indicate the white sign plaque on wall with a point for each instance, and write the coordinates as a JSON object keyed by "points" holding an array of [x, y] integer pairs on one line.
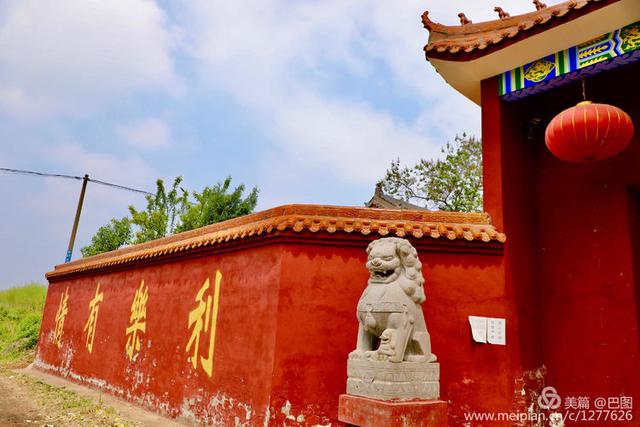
{"points": [[496, 331], [490, 330], [478, 328]]}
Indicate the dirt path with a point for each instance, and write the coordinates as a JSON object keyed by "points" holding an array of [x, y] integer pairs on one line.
{"points": [[32, 398], [16, 406], [27, 401]]}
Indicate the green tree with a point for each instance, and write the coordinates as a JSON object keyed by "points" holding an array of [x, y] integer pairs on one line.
{"points": [[214, 204], [453, 183], [163, 209], [109, 237], [172, 212]]}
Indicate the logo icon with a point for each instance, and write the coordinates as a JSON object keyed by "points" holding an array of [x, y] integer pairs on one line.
{"points": [[549, 398]]}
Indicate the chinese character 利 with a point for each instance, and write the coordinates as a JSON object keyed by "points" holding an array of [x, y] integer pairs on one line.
{"points": [[61, 315], [92, 321], [137, 320], [204, 317]]}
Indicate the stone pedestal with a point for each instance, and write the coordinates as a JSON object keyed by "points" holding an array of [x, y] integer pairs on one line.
{"points": [[365, 412], [392, 376], [384, 380]]}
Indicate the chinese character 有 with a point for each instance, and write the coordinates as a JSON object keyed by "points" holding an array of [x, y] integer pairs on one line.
{"points": [[92, 321]]}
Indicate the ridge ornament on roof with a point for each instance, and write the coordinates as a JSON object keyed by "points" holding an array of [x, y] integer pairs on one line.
{"points": [[539, 5], [468, 37], [501, 13]]}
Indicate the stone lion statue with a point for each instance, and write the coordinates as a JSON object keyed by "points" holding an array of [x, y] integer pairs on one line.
{"points": [[391, 323]]}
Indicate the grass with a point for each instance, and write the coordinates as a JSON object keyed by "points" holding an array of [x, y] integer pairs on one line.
{"points": [[20, 318]]}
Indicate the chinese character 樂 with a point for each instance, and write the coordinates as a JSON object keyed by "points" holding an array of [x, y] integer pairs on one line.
{"points": [[137, 320]]}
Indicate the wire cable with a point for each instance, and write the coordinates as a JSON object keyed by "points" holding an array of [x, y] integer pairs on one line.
{"points": [[52, 175], [79, 178], [121, 187]]}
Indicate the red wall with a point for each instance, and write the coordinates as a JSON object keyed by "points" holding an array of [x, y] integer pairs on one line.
{"points": [[572, 241], [317, 328], [162, 377], [286, 323]]}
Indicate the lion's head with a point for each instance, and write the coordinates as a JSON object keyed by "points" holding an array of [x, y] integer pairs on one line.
{"points": [[391, 257]]}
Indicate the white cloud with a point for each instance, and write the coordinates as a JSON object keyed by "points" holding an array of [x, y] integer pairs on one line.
{"points": [[149, 133], [277, 57], [75, 56], [351, 141], [273, 58], [106, 166]]}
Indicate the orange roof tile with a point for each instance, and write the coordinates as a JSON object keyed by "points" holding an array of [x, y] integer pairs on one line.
{"points": [[469, 41], [298, 218]]}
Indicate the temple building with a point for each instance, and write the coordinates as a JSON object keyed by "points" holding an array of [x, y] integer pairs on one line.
{"points": [[384, 201], [572, 263]]}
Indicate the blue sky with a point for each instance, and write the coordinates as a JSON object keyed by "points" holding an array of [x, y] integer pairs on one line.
{"points": [[308, 100]]}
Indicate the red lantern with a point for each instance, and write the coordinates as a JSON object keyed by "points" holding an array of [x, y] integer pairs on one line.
{"points": [[589, 132]]}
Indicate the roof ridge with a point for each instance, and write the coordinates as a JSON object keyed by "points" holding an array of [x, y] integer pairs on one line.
{"points": [[298, 218], [469, 37]]}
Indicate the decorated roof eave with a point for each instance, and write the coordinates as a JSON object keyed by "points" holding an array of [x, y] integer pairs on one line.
{"points": [[299, 219], [464, 71]]}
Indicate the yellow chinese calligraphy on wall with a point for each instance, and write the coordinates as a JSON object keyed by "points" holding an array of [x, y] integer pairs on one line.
{"points": [[92, 321], [137, 320], [203, 320], [61, 315]]}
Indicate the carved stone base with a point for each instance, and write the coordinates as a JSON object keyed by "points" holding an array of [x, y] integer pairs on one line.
{"points": [[365, 412], [386, 380]]}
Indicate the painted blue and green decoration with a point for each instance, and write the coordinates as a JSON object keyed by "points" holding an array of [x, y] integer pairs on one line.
{"points": [[620, 46]]}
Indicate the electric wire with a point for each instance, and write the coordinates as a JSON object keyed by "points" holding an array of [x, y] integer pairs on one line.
{"points": [[44, 174], [121, 187], [74, 177]]}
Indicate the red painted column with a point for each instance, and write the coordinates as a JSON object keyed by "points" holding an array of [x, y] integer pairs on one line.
{"points": [[492, 152], [508, 175]]}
